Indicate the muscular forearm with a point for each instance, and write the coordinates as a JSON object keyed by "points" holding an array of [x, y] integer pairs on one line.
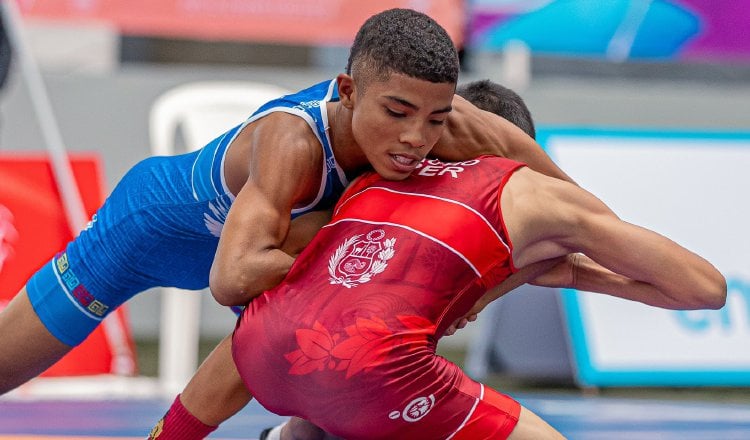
{"points": [[513, 143], [589, 276], [677, 274], [471, 132], [238, 282]]}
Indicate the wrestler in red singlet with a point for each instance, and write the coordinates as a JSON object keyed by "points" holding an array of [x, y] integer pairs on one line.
{"points": [[348, 340]]}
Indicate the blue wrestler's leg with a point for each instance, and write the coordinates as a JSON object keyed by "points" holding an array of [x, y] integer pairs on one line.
{"points": [[27, 347], [150, 232]]}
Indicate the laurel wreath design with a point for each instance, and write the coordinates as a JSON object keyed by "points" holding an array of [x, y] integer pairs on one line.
{"points": [[215, 219], [377, 267]]}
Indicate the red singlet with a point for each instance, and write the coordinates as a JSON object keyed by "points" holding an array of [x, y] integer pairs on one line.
{"points": [[348, 340]]}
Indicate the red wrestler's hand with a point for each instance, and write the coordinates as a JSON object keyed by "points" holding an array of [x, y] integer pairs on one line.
{"points": [[460, 323]]}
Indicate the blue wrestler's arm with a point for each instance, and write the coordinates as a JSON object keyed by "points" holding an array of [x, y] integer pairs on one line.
{"points": [[250, 258], [471, 132]]}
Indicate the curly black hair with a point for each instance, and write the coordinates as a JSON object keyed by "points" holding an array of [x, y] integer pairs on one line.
{"points": [[403, 41]]}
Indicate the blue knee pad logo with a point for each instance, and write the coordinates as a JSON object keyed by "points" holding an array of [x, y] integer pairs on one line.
{"points": [[77, 290]]}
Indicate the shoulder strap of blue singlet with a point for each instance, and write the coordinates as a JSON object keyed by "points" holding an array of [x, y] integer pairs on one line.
{"points": [[309, 104]]}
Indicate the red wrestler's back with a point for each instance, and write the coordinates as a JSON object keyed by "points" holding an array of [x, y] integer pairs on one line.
{"points": [[348, 339]]}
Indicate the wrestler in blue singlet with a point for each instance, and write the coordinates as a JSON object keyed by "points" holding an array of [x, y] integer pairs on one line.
{"points": [[161, 226]]}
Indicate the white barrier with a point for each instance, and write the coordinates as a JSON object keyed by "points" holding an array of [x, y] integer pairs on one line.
{"points": [[690, 187]]}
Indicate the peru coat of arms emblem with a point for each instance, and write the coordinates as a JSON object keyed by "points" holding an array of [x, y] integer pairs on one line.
{"points": [[358, 259]]}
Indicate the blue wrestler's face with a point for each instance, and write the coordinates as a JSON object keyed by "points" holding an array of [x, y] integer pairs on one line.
{"points": [[396, 122]]}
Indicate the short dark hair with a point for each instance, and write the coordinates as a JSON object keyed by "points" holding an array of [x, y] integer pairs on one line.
{"points": [[403, 41], [500, 100]]}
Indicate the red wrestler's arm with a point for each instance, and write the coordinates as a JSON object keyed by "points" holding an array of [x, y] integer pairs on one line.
{"points": [[565, 237], [471, 132], [249, 259], [550, 218], [523, 276], [578, 271]]}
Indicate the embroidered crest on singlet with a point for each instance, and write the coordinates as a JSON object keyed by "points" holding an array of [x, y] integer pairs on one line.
{"points": [[357, 260]]}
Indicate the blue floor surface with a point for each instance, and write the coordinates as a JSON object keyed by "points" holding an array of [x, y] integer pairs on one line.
{"points": [[579, 418]]}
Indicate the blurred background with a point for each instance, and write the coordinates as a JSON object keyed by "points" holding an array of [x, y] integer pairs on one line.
{"points": [[641, 72]]}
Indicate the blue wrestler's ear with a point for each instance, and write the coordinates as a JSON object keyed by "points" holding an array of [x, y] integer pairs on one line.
{"points": [[347, 88]]}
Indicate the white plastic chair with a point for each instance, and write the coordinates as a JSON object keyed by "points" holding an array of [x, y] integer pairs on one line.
{"points": [[199, 111], [204, 110]]}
